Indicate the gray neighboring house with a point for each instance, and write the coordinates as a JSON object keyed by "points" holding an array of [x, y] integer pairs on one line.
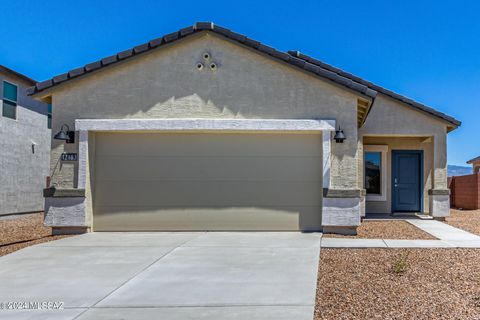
{"points": [[207, 129], [24, 145]]}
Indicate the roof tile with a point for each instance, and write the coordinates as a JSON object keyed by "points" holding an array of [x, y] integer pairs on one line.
{"points": [[297, 62], [76, 72], [204, 26], [44, 84], [141, 48], [155, 42], [60, 78], [93, 66], [186, 31], [109, 60], [125, 54], [230, 34], [170, 37], [266, 49], [251, 43]]}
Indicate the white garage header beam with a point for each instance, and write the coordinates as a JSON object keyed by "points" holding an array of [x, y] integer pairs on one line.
{"points": [[236, 125]]}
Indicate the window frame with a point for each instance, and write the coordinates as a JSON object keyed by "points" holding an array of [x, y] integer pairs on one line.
{"points": [[383, 149], [8, 100], [49, 115]]}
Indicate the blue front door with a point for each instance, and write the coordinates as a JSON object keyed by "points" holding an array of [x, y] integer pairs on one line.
{"points": [[406, 173]]}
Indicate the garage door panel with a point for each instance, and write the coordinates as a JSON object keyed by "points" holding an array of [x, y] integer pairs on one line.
{"points": [[121, 144], [149, 218], [207, 193], [158, 181], [208, 168]]}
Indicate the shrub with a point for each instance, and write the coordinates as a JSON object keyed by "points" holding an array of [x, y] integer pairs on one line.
{"points": [[399, 266]]}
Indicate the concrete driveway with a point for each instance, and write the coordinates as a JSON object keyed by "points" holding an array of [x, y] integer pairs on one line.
{"points": [[222, 275]]}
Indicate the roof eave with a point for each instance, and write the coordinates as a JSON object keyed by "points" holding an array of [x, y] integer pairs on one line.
{"points": [[17, 74], [473, 160], [419, 106]]}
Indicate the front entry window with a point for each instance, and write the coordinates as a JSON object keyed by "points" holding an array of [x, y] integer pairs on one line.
{"points": [[375, 174], [373, 165]]}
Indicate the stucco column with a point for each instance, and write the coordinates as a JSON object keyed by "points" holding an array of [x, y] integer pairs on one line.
{"points": [[341, 208], [439, 195], [65, 208], [440, 161]]}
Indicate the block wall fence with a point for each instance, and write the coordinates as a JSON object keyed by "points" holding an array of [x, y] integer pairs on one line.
{"points": [[465, 191]]}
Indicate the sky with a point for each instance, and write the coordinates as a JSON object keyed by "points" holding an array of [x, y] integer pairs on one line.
{"points": [[426, 50]]}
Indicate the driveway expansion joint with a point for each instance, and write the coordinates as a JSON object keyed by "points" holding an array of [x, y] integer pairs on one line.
{"points": [[139, 272]]}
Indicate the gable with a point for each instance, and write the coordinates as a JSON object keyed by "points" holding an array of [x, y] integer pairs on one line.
{"points": [[390, 117], [167, 83], [189, 31]]}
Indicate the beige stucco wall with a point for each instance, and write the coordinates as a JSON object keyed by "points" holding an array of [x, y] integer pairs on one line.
{"points": [[389, 117], [402, 143], [166, 84]]}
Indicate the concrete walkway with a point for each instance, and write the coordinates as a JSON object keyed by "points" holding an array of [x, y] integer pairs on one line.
{"points": [[443, 231], [223, 275], [449, 237], [383, 243]]}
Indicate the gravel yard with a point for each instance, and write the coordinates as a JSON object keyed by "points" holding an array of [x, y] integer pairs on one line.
{"points": [[435, 284], [468, 220], [20, 232], [388, 229]]}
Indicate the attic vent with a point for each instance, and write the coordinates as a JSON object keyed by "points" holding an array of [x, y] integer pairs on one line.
{"points": [[207, 62]]}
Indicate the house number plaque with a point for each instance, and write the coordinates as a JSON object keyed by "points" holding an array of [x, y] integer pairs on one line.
{"points": [[68, 157]]}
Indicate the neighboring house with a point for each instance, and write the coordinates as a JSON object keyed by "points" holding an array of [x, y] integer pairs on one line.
{"points": [[475, 162], [206, 129], [24, 145]]}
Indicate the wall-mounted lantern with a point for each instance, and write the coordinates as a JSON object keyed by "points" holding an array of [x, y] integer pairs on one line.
{"points": [[65, 134], [339, 135]]}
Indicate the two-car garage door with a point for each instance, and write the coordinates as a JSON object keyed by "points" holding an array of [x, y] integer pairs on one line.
{"points": [[159, 181]]}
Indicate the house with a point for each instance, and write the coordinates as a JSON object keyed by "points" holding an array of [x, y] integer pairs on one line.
{"points": [[24, 145], [475, 162], [207, 129]]}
